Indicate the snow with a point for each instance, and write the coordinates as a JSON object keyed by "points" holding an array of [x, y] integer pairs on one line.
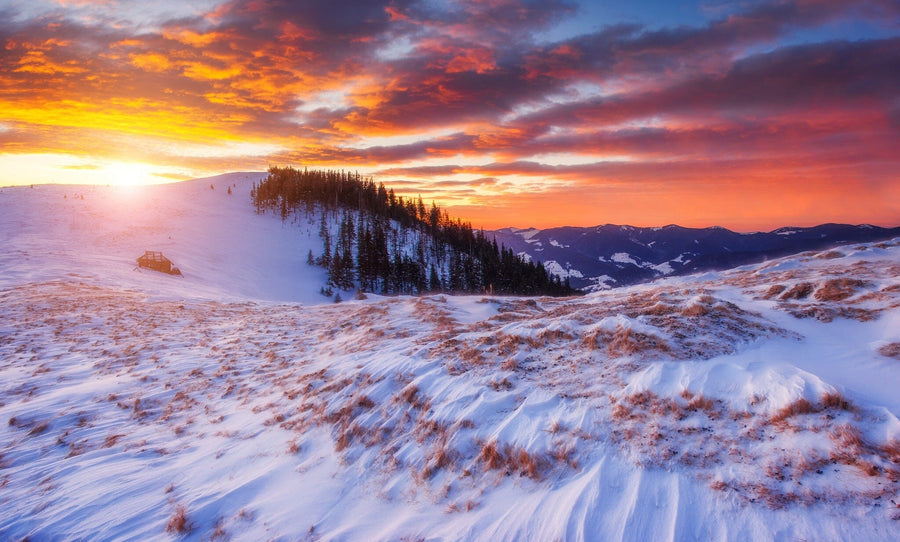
{"points": [[603, 282], [95, 233], [552, 266], [666, 411], [623, 257], [664, 268]]}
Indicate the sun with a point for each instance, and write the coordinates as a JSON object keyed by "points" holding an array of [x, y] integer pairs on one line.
{"points": [[128, 174]]}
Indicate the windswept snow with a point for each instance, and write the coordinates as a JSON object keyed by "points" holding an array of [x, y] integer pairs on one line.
{"points": [[755, 404]]}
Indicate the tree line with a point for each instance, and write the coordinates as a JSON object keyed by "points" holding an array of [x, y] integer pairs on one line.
{"points": [[379, 242]]}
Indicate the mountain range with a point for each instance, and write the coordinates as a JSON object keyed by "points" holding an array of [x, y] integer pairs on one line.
{"points": [[603, 257]]}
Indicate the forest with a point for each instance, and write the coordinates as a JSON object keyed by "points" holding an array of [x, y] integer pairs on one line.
{"points": [[376, 241]]}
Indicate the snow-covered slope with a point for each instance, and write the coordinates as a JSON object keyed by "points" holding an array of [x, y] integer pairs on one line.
{"points": [[95, 233], [755, 404]]}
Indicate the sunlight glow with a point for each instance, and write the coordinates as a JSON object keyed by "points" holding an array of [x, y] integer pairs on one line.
{"points": [[129, 174]]}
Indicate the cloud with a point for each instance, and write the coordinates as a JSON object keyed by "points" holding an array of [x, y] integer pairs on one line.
{"points": [[802, 89]]}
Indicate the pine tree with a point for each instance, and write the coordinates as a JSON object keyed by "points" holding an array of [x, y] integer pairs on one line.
{"points": [[325, 259], [434, 281]]}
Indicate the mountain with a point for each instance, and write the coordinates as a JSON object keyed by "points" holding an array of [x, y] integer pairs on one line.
{"points": [[237, 403], [609, 256]]}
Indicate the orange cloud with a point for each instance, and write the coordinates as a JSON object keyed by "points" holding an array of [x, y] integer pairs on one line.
{"points": [[739, 121]]}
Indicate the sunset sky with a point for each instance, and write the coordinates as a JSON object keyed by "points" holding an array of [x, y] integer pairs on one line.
{"points": [[745, 114]]}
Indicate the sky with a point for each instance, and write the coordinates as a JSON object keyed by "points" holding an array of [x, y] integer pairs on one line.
{"points": [[744, 114]]}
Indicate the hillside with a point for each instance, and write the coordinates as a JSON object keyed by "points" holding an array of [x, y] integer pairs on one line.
{"points": [[95, 233], [754, 404], [610, 256], [375, 241]]}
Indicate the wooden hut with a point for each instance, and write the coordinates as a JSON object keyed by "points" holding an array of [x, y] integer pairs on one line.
{"points": [[157, 262]]}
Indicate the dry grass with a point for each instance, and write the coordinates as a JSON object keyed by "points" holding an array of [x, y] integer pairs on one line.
{"points": [[848, 444], [705, 404], [39, 428], [774, 291], [625, 342], [798, 291], [839, 289], [891, 350], [799, 407], [179, 522], [659, 309], [891, 451], [511, 460], [836, 401], [696, 309]]}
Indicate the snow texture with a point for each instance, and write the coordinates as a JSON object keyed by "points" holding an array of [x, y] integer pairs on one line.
{"points": [[235, 403]]}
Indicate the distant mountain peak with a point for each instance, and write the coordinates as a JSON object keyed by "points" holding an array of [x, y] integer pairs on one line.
{"points": [[610, 254]]}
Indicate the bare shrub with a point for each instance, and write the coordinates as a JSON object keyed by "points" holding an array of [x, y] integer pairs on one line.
{"points": [[509, 364], [830, 255]]}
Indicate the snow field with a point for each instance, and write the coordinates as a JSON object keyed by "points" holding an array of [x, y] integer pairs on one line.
{"points": [[755, 404]]}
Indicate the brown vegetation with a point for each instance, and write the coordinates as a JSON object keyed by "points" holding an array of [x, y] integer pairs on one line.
{"points": [[839, 289], [890, 350], [798, 291], [511, 460], [179, 522], [774, 291]]}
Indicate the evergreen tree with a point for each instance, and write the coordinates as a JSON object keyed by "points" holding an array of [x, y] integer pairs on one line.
{"points": [[386, 233], [434, 281], [325, 259]]}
